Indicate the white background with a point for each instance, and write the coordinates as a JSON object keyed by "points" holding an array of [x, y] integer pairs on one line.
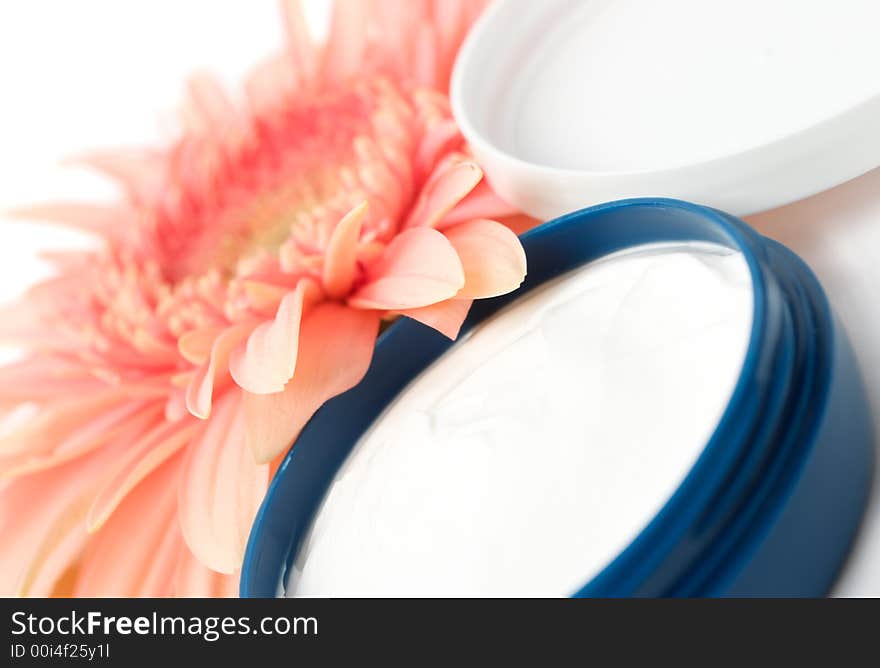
{"points": [[101, 73]]}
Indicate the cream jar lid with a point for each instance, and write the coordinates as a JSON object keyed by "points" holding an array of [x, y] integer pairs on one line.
{"points": [[743, 106]]}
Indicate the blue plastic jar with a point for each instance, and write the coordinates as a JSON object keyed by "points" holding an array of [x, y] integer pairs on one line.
{"points": [[772, 504]]}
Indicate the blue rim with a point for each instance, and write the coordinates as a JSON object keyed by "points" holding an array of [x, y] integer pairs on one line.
{"points": [[699, 540]]}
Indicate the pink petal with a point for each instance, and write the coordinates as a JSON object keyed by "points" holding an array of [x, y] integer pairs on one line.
{"points": [[336, 346], [520, 224], [347, 39], [201, 387], [209, 109], [446, 317], [110, 222], [175, 406], [446, 188], [419, 267], [425, 58], [195, 346], [128, 421], [55, 422], [450, 24], [158, 580], [492, 256], [135, 552], [140, 171], [268, 83], [340, 262], [42, 521], [481, 202], [195, 580], [264, 297], [397, 21], [48, 564], [438, 141], [142, 458], [226, 586], [22, 322], [265, 362], [42, 532], [221, 489], [299, 40], [45, 378]]}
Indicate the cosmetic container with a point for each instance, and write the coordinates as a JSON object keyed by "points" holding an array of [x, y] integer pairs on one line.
{"points": [[774, 499], [768, 111]]}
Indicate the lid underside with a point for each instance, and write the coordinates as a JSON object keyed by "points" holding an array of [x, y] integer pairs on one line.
{"points": [[743, 105]]}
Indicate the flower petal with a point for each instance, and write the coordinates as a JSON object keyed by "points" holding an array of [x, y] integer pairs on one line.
{"points": [[209, 110], [201, 387], [425, 55], [263, 297], [481, 202], [45, 378], [336, 346], [195, 345], [265, 362], [134, 554], [419, 267], [221, 489], [438, 141], [299, 40], [128, 421], [42, 521], [195, 580], [43, 532], [340, 262], [268, 81], [446, 317], [140, 171], [346, 39], [446, 188], [143, 457], [492, 256], [55, 422], [158, 580], [107, 221]]}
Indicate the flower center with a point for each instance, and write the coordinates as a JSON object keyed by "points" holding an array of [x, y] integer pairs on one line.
{"points": [[290, 178]]}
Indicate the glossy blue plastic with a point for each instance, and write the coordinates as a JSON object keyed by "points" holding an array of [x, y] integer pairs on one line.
{"points": [[772, 504]]}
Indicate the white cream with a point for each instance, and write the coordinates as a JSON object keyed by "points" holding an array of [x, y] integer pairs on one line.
{"points": [[530, 454]]}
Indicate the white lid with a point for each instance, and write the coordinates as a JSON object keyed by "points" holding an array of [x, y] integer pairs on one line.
{"points": [[742, 105]]}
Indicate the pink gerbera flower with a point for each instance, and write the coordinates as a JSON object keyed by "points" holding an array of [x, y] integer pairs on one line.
{"points": [[241, 284]]}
